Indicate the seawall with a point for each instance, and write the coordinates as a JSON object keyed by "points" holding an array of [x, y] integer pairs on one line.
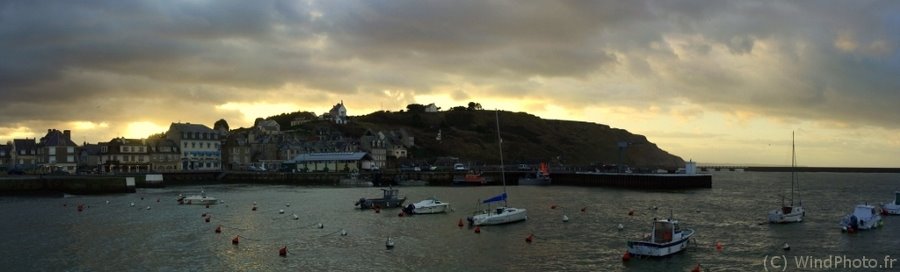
{"points": [[57, 185]]}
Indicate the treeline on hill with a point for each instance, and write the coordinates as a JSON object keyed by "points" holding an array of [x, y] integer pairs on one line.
{"points": [[470, 133]]}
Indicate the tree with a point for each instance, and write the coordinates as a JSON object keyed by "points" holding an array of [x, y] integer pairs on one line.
{"points": [[415, 108], [474, 106]]}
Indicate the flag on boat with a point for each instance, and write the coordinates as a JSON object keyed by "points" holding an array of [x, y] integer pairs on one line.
{"points": [[500, 197]]}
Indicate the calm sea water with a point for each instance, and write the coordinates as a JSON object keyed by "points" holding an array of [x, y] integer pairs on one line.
{"points": [[44, 235]]}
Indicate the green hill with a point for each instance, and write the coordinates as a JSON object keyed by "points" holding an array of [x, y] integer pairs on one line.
{"points": [[471, 135]]}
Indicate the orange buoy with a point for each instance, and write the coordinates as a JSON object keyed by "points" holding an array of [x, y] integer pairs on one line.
{"points": [[553, 206], [583, 209], [697, 268], [626, 257], [377, 210], [203, 215], [236, 240], [630, 212], [477, 229], [400, 214], [80, 207], [253, 209], [157, 200], [65, 204], [529, 238], [219, 229], [460, 224], [283, 251], [207, 206], [207, 218], [719, 246]]}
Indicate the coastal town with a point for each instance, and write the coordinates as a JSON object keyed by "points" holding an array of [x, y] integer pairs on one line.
{"points": [[191, 147]]}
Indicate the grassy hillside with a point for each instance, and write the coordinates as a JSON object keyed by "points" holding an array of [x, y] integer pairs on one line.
{"points": [[472, 135]]}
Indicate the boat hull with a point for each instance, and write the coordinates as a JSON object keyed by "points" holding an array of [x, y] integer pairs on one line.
{"points": [[200, 201], [651, 249], [381, 203], [439, 208], [891, 209], [509, 215], [779, 216]]}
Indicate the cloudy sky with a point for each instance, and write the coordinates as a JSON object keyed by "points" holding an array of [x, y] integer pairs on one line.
{"points": [[713, 81]]}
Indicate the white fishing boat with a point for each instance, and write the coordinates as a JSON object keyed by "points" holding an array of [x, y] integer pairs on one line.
{"points": [[666, 239], [503, 214], [201, 199], [430, 205], [790, 213], [864, 217], [893, 207]]}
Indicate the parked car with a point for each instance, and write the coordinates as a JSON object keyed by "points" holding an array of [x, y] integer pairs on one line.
{"points": [[524, 167], [15, 172], [459, 167]]}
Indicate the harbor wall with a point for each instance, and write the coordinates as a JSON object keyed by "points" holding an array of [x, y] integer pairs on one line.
{"points": [[634, 181], [57, 185]]}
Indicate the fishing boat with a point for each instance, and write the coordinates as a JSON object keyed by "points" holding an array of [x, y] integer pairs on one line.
{"points": [[430, 205], [502, 214], [200, 199], [391, 199], [893, 207], [470, 178], [667, 238], [789, 213], [539, 177], [864, 217]]}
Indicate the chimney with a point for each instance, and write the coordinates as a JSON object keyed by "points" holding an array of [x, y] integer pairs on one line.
{"points": [[68, 134]]}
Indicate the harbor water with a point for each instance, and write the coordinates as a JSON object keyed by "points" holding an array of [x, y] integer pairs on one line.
{"points": [[50, 234]]}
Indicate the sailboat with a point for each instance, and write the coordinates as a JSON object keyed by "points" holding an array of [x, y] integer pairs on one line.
{"points": [[502, 214], [789, 213]]}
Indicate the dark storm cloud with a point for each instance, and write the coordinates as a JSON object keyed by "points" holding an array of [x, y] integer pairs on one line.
{"points": [[837, 60]]}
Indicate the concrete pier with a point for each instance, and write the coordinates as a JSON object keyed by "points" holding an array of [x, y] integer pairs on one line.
{"points": [[57, 185]]}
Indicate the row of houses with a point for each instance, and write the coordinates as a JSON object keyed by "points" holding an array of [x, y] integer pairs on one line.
{"points": [[196, 147]]}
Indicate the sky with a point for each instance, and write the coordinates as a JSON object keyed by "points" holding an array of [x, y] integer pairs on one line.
{"points": [[711, 81]]}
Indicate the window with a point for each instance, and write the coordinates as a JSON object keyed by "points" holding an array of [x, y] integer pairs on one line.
{"points": [[51, 151], [70, 158], [185, 144], [70, 149], [208, 145], [184, 135], [193, 145], [52, 160]]}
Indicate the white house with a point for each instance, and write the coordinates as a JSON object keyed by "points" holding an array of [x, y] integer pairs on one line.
{"points": [[432, 108], [199, 145], [338, 113]]}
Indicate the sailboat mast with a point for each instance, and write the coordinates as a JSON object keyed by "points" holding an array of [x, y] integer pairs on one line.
{"points": [[793, 167], [500, 143]]}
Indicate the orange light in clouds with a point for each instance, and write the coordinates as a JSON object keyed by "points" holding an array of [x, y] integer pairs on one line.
{"points": [[140, 130]]}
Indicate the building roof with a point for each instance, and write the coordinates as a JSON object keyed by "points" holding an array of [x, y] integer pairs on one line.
{"points": [[57, 138], [339, 156], [25, 144], [188, 127], [90, 149]]}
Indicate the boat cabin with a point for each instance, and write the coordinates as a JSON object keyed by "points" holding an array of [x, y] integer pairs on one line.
{"points": [[897, 198], [864, 211], [665, 230], [391, 193]]}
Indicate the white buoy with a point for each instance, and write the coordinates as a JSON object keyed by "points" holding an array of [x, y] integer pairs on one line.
{"points": [[148, 207], [343, 232], [132, 203], [281, 211], [620, 227], [254, 203], [786, 246], [107, 202], [288, 204], [295, 216], [565, 218], [320, 226], [389, 244]]}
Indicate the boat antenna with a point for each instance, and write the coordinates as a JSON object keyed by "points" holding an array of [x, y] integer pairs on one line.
{"points": [[500, 144]]}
